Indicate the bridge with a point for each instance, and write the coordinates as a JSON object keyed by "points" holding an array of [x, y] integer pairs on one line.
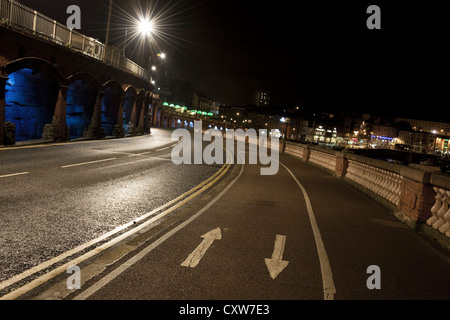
{"points": [[58, 85]]}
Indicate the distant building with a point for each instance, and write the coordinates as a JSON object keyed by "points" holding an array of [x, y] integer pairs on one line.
{"points": [[203, 103], [420, 141], [428, 126], [261, 98]]}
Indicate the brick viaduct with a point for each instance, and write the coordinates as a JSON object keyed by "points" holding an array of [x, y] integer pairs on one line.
{"points": [[113, 97]]}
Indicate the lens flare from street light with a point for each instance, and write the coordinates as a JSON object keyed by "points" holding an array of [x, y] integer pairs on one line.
{"points": [[146, 26], [156, 23]]}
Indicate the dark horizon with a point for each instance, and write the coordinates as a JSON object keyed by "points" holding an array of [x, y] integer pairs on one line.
{"points": [[318, 55]]}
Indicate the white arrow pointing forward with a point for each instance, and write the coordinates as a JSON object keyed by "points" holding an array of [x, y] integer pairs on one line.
{"points": [[195, 257], [276, 264]]}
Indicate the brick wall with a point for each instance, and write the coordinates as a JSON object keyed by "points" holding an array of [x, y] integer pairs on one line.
{"points": [[416, 200]]}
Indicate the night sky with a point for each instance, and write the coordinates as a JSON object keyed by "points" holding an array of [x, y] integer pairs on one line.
{"points": [[318, 54]]}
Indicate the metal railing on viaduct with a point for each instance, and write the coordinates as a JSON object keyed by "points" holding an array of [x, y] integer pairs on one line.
{"points": [[17, 15], [418, 197]]}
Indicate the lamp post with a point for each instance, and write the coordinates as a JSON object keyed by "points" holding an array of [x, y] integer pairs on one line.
{"points": [[286, 121], [108, 24], [435, 138]]}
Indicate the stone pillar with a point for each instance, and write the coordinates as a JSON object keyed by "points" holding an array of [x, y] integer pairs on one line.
{"points": [[95, 127], [57, 130], [306, 153], [417, 195], [61, 113], [134, 116], [341, 165], [141, 116], [118, 130], [2, 107]]}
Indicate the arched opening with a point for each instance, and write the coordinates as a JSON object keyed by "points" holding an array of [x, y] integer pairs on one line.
{"points": [[81, 99], [30, 102], [112, 99]]}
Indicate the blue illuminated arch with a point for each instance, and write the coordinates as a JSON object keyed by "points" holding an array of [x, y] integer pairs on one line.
{"points": [[112, 96], [81, 99], [31, 95]]}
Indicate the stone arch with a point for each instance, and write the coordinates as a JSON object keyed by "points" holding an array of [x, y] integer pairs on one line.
{"points": [[32, 92], [112, 108], [82, 94]]}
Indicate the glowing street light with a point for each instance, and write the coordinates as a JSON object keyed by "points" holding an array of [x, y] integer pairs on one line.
{"points": [[146, 27]]}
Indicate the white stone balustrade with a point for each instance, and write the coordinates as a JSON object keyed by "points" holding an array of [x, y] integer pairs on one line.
{"points": [[298, 151], [323, 159], [440, 219], [384, 183]]}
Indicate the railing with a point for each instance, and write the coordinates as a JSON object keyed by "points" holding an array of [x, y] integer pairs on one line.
{"points": [[21, 17], [384, 183], [440, 219], [322, 159], [296, 150]]}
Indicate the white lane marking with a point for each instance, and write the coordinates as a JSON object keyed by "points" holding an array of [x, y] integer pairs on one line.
{"points": [[208, 239], [86, 163], [140, 154], [276, 265], [116, 272], [14, 174], [163, 149], [329, 288]]}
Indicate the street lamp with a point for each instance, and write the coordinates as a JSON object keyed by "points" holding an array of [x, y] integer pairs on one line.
{"points": [[435, 138], [146, 26]]}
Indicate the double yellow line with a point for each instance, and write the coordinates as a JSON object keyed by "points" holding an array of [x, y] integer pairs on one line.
{"points": [[169, 207]]}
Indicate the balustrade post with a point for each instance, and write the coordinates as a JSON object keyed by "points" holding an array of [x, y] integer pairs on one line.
{"points": [[446, 226], [442, 211], [341, 165], [416, 194], [307, 153]]}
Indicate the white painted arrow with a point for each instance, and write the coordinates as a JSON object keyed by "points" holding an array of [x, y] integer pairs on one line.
{"points": [[208, 239], [276, 264]]}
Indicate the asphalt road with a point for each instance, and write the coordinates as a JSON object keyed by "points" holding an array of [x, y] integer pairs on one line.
{"points": [[56, 197]]}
